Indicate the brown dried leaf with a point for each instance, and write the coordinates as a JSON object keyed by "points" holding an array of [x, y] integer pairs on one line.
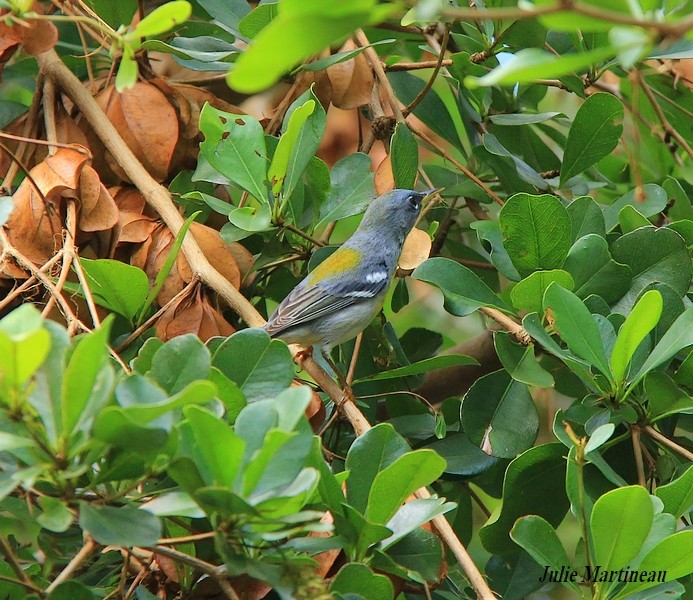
{"points": [[192, 314], [35, 226], [98, 210], [245, 261], [384, 178], [352, 80], [416, 249], [217, 253]]}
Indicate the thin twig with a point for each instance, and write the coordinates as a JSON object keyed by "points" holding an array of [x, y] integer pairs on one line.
{"points": [[665, 441], [217, 573], [511, 326], [89, 546], [11, 559], [185, 539], [446, 155], [637, 452], [431, 80], [303, 234], [662, 118], [49, 115], [414, 66]]}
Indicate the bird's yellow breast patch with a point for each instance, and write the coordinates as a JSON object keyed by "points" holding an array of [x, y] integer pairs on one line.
{"points": [[341, 261]]}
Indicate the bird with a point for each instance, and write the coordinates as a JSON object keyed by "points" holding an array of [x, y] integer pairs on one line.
{"points": [[342, 295]]}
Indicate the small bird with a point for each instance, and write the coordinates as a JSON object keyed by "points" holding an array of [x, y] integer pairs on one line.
{"points": [[342, 295]]}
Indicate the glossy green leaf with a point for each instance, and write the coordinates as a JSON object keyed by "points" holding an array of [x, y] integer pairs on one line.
{"points": [[539, 539], [399, 480], [422, 366], [528, 294], [461, 456], [235, 146], [665, 397], [179, 362], [677, 495], [84, 373], [24, 345], [257, 19], [577, 328], [299, 30], [642, 319], [586, 217], [520, 362], [593, 135], [217, 462], [55, 515], [162, 19], [228, 12], [126, 526], [421, 553], [355, 580], [650, 200], [463, 291], [594, 271], [260, 366], [370, 453], [599, 436], [619, 524], [530, 64], [537, 232], [498, 415], [116, 285], [412, 515], [653, 255], [352, 189], [534, 484], [673, 556], [404, 154]]}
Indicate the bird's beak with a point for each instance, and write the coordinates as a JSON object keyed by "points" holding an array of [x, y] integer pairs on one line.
{"points": [[429, 193]]}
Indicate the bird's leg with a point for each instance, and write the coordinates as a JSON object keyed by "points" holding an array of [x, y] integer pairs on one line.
{"points": [[343, 383]]}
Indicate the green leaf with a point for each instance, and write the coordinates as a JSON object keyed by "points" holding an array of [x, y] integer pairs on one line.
{"points": [[421, 553], [355, 580], [534, 484], [653, 255], [179, 362], [529, 64], [520, 362], [413, 515], [217, 462], [422, 366], [404, 154], [323, 63], [619, 525], [600, 435], [577, 328], [586, 217], [114, 13], [299, 30], [593, 135], [491, 238], [128, 70], [115, 285], [642, 319], [55, 515], [665, 397], [594, 271], [257, 19], [677, 495], [260, 366], [678, 337], [524, 171], [235, 146], [126, 526], [462, 457], [650, 200], [528, 294], [370, 453], [289, 146], [539, 539], [24, 345], [161, 19], [82, 374], [537, 232], [498, 415], [352, 189], [462, 289], [228, 12], [673, 556], [399, 480]]}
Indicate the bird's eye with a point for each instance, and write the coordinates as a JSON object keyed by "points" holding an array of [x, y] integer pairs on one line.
{"points": [[414, 202]]}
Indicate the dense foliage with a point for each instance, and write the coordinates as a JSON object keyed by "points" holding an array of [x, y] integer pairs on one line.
{"points": [[155, 443]]}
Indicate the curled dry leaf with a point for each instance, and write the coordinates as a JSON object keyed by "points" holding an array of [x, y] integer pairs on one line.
{"points": [[352, 80], [34, 35], [216, 252], [384, 178], [98, 210], [245, 261], [192, 314], [35, 225], [416, 249]]}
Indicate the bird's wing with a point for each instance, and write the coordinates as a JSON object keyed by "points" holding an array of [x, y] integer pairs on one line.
{"points": [[308, 302]]}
